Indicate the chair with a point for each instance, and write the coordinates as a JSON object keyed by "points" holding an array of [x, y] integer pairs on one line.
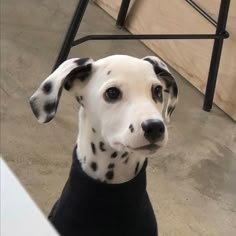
{"points": [[219, 36]]}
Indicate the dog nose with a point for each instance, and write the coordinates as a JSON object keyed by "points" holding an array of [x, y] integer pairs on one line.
{"points": [[154, 129]]}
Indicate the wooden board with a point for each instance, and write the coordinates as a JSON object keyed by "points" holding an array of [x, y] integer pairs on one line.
{"points": [[189, 57]]}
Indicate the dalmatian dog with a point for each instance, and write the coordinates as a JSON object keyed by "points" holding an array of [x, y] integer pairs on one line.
{"points": [[121, 124]]}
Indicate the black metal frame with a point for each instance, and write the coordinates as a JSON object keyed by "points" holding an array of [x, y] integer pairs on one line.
{"points": [[218, 37]]}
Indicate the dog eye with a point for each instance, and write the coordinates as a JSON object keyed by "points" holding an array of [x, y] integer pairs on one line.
{"points": [[112, 94], [157, 93]]}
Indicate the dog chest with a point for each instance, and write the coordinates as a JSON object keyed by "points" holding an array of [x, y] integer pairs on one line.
{"points": [[88, 207]]}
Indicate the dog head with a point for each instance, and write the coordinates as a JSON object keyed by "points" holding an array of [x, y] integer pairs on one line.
{"points": [[120, 96]]}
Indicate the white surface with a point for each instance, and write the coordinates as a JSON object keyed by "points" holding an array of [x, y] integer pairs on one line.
{"points": [[19, 214]]}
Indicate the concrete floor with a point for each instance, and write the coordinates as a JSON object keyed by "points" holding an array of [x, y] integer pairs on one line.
{"points": [[192, 182]]}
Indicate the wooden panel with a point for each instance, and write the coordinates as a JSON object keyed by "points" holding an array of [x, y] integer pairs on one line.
{"points": [[189, 57]]}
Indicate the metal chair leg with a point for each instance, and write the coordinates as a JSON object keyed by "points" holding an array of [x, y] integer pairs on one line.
{"points": [[71, 32], [216, 55], [122, 13]]}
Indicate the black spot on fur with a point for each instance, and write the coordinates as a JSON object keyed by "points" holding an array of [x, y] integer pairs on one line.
{"points": [[136, 168], [47, 87], [82, 61], [80, 73], [93, 130], [131, 127], [109, 72], [111, 166], [93, 147], [114, 155], [84, 158], [158, 70], [169, 82], [101, 146], [124, 155], [85, 72], [49, 107], [93, 166], [170, 110], [110, 174], [79, 101], [126, 160], [81, 98], [175, 90]]}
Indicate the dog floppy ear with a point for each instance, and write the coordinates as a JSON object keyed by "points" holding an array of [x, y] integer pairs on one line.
{"points": [[168, 81], [44, 101]]}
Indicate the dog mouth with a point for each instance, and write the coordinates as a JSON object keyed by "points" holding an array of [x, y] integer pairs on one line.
{"points": [[149, 147]]}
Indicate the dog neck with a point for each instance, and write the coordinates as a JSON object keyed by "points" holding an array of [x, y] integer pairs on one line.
{"points": [[100, 161]]}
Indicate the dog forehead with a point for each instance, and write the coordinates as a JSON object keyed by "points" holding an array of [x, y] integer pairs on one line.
{"points": [[123, 63], [124, 67]]}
